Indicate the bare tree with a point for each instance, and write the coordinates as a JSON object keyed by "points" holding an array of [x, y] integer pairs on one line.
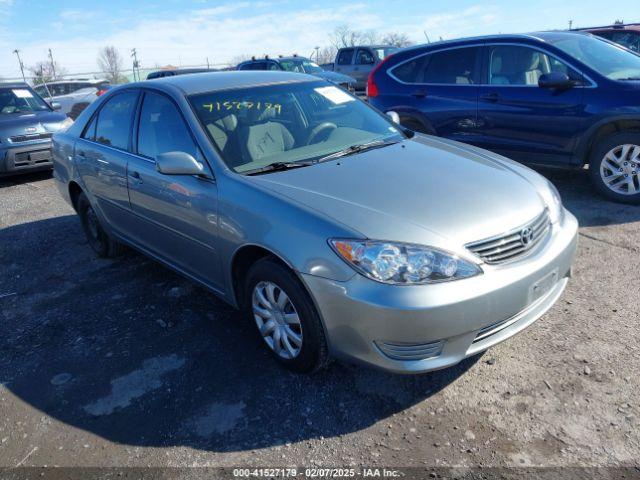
{"points": [[397, 39], [110, 62], [43, 72], [326, 55], [239, 59], [345, 36]]}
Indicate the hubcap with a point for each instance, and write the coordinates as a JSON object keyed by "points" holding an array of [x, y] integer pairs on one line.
{"points": [[620, 168], [277, 320]]}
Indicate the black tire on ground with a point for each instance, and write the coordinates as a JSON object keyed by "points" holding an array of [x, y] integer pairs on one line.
{"points": [[77, 109], [314, 353], [597, 157], [99, 240]]}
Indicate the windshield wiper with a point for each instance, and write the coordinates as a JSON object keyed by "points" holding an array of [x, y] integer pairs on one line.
{"points": [[629, 78], [277, 167], [361, 147]]}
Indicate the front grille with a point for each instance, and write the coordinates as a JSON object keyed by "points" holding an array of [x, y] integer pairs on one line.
{"points": [[29, 137], [36, 157], [515, 244], [411, 351]]}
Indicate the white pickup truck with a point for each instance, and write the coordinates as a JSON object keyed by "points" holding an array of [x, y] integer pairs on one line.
{"points": [[72, 95]]}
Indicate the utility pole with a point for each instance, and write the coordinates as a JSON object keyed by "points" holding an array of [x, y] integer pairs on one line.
{"points": [[17, 52], [317, 49], [570, 24], [53, 65], [136, 65], [207, 63]]}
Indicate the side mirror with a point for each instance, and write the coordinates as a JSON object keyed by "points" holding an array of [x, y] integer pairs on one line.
{"points": [[56, 106], [395, 118], [178, 163], [555, 80]]}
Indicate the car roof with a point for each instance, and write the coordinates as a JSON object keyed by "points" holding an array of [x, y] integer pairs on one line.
{"points": [[615, 26], [369, 46], [207, 82], [76, 80], [14, 85]]}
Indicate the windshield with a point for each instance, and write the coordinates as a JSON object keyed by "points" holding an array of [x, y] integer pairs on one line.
{"points": [[20, 100], [260, 126], [607, 59], [301, 65]]}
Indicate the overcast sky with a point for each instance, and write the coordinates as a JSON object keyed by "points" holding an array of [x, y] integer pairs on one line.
{"points": [[186, 32]]}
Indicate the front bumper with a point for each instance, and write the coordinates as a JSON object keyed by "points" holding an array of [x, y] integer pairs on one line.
{"points": [[413, 329], [26, 158]]}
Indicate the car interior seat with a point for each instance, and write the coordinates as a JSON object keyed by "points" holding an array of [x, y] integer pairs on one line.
{"points": [[261, 137], [511, 66]]}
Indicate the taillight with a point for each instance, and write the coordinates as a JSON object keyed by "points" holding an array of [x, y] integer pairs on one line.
{"points": [[372, 88], [100, 92]]}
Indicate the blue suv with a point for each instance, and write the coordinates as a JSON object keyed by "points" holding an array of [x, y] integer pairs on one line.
{"points": [[552, 98]]}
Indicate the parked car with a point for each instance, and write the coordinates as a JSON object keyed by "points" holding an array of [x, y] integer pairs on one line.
{"points": [[177, 71], [335, 232], [27, 123], [627, 35], [357, 62], [555, 98], [72, 95], [299, 65]]}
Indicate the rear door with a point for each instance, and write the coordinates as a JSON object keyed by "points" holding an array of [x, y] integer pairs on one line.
{"points": [[440, 89], [519, 119], [176, 214], [101, 157], [344, 61]]}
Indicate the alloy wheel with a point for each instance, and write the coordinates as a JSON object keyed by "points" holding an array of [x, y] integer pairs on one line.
{"points": [[277, 319], [620, 169]]}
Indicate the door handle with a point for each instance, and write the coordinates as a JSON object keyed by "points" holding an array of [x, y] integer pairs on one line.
{"points": [[419, 94], [490, 97], [135, 176], [81, 155]]}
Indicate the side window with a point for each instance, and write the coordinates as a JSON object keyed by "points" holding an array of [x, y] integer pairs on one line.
{"points": [[272, 66], [345, 56], [245, 66], [455, 66], [42, 91], [411, 71], [364, 57], [90, 131], [519, 65], [162, 128], [114, 120]]}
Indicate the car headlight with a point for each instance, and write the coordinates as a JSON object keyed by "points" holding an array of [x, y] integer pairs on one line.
{"points": [[65, 124], [402, 263], [551, 197]]}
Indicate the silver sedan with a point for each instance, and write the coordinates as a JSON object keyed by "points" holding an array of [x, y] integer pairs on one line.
{"points": [[335, 230]]}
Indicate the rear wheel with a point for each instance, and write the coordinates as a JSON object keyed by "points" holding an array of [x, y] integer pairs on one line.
{"points": [[614, 167], [99, 240], [286, 318]]}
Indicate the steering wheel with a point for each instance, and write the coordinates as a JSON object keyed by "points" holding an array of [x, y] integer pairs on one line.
{"points": [[327, 127]]}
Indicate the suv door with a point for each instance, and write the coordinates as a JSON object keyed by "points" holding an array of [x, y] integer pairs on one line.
{"points": [[101, 157], [439, 92], [177, 214], [517, 118]]}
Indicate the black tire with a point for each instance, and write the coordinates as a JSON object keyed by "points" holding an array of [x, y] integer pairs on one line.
{"points": [[597, 158], [313, 353], [99, 240], [77, 110]]}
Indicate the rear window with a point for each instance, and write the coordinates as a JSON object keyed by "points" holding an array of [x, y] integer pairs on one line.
{"points": [[458, 66]]}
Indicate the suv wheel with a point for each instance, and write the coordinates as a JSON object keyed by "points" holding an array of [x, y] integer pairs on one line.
{"points": [[614, 167], [99, 240], [285, 316]]}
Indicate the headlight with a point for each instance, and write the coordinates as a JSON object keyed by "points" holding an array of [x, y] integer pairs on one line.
{"points": [[402, 263], [65, 124], [552, 198]]}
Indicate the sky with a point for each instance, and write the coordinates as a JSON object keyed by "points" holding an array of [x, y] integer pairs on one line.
{"points": [[185, 33]]}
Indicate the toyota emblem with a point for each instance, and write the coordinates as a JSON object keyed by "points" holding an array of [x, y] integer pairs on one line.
{"points": [[526, 236]]}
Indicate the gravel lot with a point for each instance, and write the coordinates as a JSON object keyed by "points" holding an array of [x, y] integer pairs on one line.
{"points": [[124, 363]]}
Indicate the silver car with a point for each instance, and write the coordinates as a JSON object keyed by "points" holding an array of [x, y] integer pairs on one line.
{"points": [[338, 233]]}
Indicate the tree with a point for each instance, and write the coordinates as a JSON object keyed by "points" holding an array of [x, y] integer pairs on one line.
{"points": [[43, 72], [326, 55], [345, 36], [397, 39], [110, 62]]}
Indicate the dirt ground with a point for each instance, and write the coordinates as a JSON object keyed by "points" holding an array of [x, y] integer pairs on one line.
{"points": [[124, 363]]}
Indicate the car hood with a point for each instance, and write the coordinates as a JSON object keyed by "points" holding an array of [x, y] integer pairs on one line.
{"points": [[424, 191], [335, 77], [29, 123]]}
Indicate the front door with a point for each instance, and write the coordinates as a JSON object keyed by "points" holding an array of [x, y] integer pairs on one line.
{"points": [[101, 157], [176, 214], [521, 120]]}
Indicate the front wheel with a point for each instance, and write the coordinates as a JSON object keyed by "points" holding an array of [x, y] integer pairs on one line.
{"points": [[614, 167], [285, 316]]}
